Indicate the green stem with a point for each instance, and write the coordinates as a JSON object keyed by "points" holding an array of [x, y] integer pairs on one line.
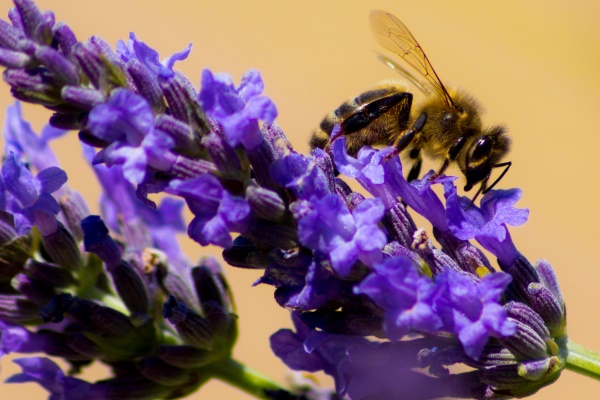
{"points": [[582, 360], [244, 378]]}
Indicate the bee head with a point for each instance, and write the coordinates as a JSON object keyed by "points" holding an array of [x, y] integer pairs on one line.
{"points": [[483, 154]]}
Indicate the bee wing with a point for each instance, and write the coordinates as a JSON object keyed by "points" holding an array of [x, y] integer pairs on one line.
{"points": [[393, 35]]}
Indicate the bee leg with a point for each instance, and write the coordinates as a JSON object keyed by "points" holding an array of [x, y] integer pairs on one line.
{"points": [[452, 154], [410, 134], [415, 154]]}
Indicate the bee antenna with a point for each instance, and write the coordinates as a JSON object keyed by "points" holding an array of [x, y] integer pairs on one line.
{"points": [[504, 164]]}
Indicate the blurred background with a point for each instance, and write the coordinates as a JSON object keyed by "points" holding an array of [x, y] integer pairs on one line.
{"points": [[534, 66]]}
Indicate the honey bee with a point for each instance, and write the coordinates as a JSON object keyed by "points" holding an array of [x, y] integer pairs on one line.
{"points": [[447, 125]]}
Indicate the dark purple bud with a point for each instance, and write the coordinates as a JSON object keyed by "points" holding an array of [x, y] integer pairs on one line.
{"points": [[74, 209], [14, 59], [346, 323], [223, 155], [245, 254], [342, 188], [270, 234], [69, 121], [193, 329], [223, 324], [131, 287], [49, 273], [525, 343], [34, 23], [97, 241], [9, 36], [502, 377], [159, 371], [261, 158], [523, 274], [185, 356], [29, 83], [185, 168], [147, 85], [18, 309], [83, 98], [38, 292], [64, 70], [526, 315], [183, 102], [549, 280], [265, 203], [399, 225], [102, 49], [548, 307], [99, 319], [180, 132], [63, 248], [85, 346], [325, 164], [89, 63], [521, 380], [15, 19], [65, 37], [211, 286], [490, 355]]}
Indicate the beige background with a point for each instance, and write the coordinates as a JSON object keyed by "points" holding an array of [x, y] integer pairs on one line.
{"points": [[534, 65]]}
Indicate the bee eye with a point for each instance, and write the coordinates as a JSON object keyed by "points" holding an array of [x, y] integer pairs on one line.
{"points": [[481, 148]]}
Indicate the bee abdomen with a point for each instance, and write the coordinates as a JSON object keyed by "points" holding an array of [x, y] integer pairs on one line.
{"points": [[368, 119]]}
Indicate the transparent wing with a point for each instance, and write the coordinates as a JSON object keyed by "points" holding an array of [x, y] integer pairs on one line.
{"points": [[393, 35]]}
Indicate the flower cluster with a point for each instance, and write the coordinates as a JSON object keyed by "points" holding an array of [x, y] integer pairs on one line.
{"points": [[375, 303]]}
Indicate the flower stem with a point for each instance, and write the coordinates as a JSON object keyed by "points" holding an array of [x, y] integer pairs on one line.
{"points": [[244, 378], [582, 360]]}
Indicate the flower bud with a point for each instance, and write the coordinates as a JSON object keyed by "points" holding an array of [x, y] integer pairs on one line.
{"points": [[147, 85], [38, 292], [48, 273], [159, 371], [185, 356], [265, 203], [63, 249], [192, 328]]}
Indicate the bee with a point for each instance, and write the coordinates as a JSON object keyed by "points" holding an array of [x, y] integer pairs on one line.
{"points": [[446, 126]]}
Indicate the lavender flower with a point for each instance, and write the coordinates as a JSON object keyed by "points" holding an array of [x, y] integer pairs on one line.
{"points": [[352, 268]]}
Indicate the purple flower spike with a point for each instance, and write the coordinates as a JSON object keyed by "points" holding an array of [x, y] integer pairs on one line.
{"points": [[45, 372], [237, 109], [216, 211], [487, 223], [138, 50], [346, 237], [24, 195], [407, 297], [127, 122], [472, 310]]}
